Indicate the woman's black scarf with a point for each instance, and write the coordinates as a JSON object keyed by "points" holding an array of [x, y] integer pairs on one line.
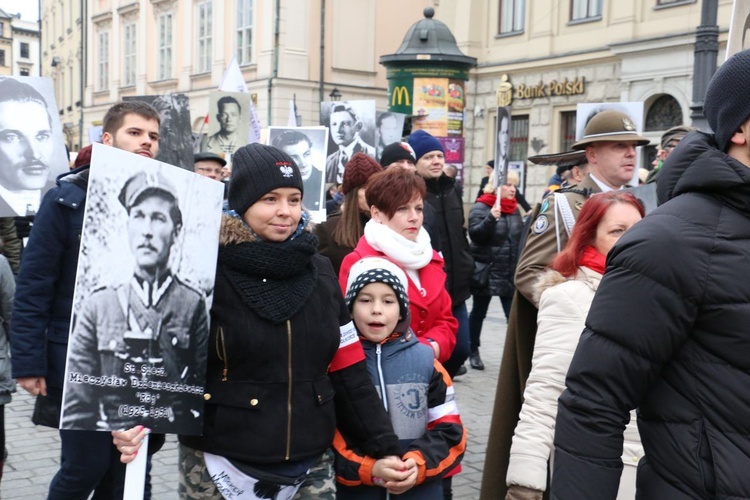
{"points": [[273, 279]]}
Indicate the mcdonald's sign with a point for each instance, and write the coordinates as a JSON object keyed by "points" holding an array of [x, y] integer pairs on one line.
{"points": [[400, 95]]}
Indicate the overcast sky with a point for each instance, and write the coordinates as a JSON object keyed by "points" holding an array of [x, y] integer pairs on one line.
{"points": [[29, 9]]}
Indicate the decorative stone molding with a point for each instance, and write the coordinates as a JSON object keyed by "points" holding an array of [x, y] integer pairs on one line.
{"points": [[161, 6], [129, 12]]}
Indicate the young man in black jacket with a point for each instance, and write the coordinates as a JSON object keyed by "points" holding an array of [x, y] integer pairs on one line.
{"points": [[667, 330]]}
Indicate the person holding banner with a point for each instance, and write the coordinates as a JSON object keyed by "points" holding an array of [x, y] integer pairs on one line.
{"points": [[495, 227], [42, 311], [285, 366], [151, 329]]}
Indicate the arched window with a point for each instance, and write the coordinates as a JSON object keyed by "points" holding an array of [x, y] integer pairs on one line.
{"points": [[664, 113]]}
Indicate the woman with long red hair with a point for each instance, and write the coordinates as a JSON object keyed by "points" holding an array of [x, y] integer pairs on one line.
{"points": [[565, 292]]}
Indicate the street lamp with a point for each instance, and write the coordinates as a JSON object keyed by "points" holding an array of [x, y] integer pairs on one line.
{"points": [[335, 95]]}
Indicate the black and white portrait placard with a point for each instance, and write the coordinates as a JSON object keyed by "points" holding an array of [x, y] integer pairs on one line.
{"points": [[351, 127], [389, 128], [175, 129], [145, 278], [228, 121], [32, 148], [307, 147]]}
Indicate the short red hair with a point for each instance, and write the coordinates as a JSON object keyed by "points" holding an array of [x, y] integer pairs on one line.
{"points": [[584, 231], [393, 188]]}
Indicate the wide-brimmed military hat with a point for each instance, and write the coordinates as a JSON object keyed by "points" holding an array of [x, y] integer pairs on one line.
{"points": [[610, 125], [566, 159]]}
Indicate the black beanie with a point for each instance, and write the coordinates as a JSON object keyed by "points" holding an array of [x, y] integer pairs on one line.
{"points": [[395, 152], [256, 170], [726, 106]]}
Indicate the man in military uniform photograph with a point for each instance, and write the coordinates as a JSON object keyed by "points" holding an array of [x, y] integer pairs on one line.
{"points": [[142, 342], [610, 140]]}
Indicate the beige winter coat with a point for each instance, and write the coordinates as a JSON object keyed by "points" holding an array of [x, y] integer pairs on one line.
{"points": [[563, 306]]}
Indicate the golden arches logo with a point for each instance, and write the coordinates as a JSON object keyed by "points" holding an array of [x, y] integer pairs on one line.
{"points": [[400, 93]]}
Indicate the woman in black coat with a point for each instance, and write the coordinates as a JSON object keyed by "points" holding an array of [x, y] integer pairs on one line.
{"points": [[495, 228]]}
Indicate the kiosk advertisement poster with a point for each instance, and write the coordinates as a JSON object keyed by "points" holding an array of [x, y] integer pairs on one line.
{"points": [[144, 283]]}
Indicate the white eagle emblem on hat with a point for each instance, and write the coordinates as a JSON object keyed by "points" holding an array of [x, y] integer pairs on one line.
{"points": [[628, 124], [286, 170]]}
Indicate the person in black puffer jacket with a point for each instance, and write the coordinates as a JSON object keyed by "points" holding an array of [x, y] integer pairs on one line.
{"points": [[667, 330], [495, 231]]}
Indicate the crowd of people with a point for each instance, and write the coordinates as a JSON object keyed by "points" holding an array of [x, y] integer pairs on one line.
{"points": [[331, 348]]}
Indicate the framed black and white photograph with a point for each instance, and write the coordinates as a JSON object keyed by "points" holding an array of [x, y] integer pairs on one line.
{"points": [[144, 284], [32, 147], [351, 127], [228, 121], [307, 147], [389, 128], [175, 129], [502, 144]]}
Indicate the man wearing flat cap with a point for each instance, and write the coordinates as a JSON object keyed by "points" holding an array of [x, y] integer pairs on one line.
{"points": [[209, 165], [609, 142], [144, 340]]}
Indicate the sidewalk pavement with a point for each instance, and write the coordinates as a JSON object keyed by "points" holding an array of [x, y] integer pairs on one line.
{"points": [[34, 452]]}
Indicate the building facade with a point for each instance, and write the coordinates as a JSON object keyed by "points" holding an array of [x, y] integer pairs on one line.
{"points": [[287, 50], [555, 55], [62, 59], [19, 45]]}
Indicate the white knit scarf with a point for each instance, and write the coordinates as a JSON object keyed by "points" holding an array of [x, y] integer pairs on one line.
{"points": [[411, 255]]}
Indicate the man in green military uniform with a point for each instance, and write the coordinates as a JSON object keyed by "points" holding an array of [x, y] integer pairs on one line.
{"points": [[610, 141], [138, 349]]}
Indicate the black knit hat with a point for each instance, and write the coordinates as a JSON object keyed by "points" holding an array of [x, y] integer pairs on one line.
{"points": [[726, 106], [258, 169], [395, 152]]}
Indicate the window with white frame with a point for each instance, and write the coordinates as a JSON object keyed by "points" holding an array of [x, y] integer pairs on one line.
{"points": [[164, 50], [585, 9], [205, 9], [511, 16], [129, 47], [244, 31], [103, 61]]}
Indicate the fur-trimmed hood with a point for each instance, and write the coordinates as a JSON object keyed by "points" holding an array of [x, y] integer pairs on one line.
{"points": [[551, 277], [234, 231]]}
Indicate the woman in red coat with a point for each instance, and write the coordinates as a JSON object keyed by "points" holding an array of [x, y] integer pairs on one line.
{"points": [[395, 232]]}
